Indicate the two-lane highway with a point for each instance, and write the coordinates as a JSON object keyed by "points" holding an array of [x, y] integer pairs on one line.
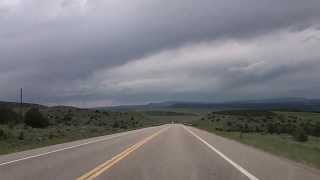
{"points": [[156, 153]]}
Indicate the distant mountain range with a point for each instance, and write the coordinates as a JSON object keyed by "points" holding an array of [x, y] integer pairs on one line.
{"points": [[294, 104]]}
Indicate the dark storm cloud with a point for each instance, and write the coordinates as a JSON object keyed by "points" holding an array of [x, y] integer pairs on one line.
{"points": [[52, 48]]}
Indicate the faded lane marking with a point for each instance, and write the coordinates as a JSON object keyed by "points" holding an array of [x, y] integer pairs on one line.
{"points": [[108, 164]]}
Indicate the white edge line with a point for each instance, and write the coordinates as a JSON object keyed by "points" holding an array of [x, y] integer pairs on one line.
{"points": [[66, 148], [241, 169]]}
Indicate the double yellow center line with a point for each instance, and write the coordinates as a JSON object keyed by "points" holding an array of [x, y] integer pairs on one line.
{"points": [[108, 164]]}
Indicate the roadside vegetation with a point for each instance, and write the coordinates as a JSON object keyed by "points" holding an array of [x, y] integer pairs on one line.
{"points": [[294, 135], [40, 126]]}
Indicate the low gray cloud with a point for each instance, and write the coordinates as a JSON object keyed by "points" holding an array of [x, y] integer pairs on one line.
{"points": [[87, 52], [221, 70]]}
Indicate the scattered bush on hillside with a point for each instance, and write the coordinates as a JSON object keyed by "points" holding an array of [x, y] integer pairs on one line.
{"points": [[248, 121], [35, 119], [67, 119], [249, 113]]}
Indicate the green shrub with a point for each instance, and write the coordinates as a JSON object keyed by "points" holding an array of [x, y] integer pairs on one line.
{"points": [[4, 134], [246, 128], [123, 124], [51, 135], [67, 118], [316, 130], [116, 124], [35, 119], [21, 135], [8, 116], [300, 135], [271, 128]]}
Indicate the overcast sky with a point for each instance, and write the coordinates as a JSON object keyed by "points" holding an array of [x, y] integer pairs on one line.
{"points": [[111, 52]]}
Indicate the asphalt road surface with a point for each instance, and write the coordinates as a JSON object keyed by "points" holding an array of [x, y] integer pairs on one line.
{"points": [[157, 153]]}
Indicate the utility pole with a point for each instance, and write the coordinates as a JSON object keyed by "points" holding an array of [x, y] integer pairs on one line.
{"points": [[21, 96], [21, 103]]}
